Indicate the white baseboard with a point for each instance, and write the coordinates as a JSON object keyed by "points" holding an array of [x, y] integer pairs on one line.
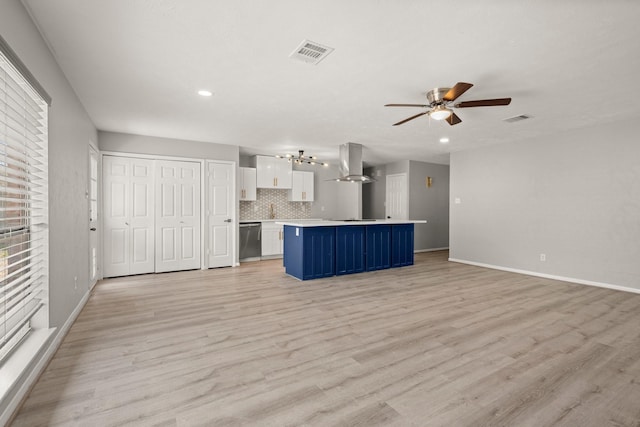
{"points": [[252, 259], [550, 276], [32, 377], [430, 250]]}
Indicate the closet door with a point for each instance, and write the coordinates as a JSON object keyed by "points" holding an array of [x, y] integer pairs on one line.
{"points": [[128, 216], [221, 213], [177, 215]]}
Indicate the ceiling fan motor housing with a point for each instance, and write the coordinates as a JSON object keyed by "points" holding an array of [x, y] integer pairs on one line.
{"points": [[436, 96]]}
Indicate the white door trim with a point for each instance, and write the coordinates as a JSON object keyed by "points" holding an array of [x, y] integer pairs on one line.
{"points": [[203, 191], [405, 202], [95, 225], [234, 212]]}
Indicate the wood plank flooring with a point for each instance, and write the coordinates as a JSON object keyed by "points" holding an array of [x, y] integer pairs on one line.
{"points": [[434, 344]]}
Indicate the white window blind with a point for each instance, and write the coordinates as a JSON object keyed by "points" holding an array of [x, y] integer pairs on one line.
{"points": [[23, 206]]}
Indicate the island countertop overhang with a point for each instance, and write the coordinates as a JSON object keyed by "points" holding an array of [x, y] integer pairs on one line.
{"points": [[329, 223]]}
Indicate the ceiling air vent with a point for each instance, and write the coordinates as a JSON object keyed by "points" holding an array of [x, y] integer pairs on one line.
{"points": [[310, 52], [517, 118]]}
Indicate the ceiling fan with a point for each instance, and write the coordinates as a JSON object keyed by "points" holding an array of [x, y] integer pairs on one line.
{"points": [[441, 103]]}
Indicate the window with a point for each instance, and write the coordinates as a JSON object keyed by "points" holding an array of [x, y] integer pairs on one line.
{"points": [[23, 204]]}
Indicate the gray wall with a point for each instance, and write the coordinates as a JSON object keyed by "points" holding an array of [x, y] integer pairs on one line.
{"points": [[340, 200], [574, 197], [156, 146], [397, 167], [151, 145], [70, 131], [431, 204], [374, 193]]}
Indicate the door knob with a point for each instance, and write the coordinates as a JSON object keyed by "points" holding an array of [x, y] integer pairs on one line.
{"points": [[92, 229], [227, 220]]}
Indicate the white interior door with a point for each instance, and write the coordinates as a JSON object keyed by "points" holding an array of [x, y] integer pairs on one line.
{"points": [[128, 216], [220, 214], [93, 216], [177, 215], [397, 202]]}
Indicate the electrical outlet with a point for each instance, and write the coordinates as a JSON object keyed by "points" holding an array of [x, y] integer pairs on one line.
{"points": [[457, 200], [543, 257]]}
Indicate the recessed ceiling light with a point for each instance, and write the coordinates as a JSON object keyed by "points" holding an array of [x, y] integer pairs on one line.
{"points": [[444, 140], [205, 93]]}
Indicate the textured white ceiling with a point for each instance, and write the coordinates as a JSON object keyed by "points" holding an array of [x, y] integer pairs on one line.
{"points": [[137, 65]]}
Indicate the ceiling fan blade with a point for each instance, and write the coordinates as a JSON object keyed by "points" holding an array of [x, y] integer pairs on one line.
{"points": [[410, 118], [484, 103], [453, 119], [457, 90], [406, 105]]}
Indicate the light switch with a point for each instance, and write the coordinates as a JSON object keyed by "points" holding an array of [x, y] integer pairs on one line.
{"points": [[457, 200]]}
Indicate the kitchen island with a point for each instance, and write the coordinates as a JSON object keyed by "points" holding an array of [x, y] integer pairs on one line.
{"points": [[316, 249]]}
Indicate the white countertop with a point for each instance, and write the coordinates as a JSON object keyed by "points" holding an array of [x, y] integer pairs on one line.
{"points": [[327, 223], [244, 221]]}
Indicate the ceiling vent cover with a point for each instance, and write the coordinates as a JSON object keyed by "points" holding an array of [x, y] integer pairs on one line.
{"points": [[517, 118], [310, 52]]}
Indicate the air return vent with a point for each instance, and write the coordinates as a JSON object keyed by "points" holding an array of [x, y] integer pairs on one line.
{"points": [[517, 118], [310, 52]]}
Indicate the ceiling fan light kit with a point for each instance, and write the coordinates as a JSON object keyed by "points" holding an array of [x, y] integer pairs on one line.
{"points": [[440, 112], [441, 103]]}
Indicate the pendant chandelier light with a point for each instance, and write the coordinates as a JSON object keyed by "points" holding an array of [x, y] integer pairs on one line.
{"points": [[300, 159]]}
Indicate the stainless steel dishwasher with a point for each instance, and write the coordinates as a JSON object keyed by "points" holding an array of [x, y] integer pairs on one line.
{"points": [[250, 244]]}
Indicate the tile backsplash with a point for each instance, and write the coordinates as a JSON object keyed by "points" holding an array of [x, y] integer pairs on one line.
{"points": [[284, 209]]}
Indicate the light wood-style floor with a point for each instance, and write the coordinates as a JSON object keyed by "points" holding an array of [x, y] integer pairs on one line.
{"points": [[434, 344]]}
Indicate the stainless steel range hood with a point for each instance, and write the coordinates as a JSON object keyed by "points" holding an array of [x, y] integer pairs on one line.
{"points": [[351, 164]]}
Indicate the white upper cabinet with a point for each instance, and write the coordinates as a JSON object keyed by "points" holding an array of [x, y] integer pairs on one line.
{"points": [[302, 187], [273, 172], [247, 187]]}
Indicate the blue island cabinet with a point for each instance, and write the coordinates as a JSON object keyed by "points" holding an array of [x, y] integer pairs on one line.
{"points": [[378, 247], [309, 252], [350, 249], [401, 245]]}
